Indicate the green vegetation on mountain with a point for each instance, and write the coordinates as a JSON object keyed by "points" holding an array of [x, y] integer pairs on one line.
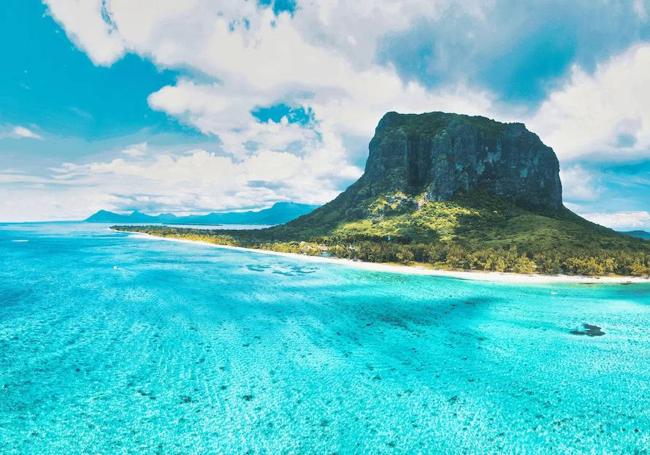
{"points": [[471, 233], [455, 192], [638, 234]]}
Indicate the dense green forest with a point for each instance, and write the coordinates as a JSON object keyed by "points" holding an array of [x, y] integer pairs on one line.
{"points": [[477, 232]]}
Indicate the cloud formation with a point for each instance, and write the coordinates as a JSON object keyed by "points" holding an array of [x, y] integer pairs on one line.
{"points": [[88, 24], [157, 179], [604, 115], [579, 184], [346, 63], [249, 57], [18, 132], [621, 220], [325, 55]]}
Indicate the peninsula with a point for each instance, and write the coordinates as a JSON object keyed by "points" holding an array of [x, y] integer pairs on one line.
{"points": [[454, 192]]}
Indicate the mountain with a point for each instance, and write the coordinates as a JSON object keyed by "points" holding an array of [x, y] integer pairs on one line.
{"points": [[280, 212], [638, 234], [440, 155], [104, 216], [453, 191], [416, 160]]}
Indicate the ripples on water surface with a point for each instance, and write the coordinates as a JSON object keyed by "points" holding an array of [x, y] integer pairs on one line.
{"points": [[114, 344]]}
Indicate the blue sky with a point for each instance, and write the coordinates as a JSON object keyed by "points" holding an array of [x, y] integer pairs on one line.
{"points": [[48, 82], [205, 105]]}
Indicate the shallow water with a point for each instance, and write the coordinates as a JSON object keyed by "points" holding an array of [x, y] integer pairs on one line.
{"points": [[115, 344]]}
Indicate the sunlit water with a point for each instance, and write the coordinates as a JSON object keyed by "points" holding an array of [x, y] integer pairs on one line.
{"points": [[114, 344]]}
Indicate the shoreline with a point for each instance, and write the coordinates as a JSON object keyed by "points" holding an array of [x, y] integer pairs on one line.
{"points": [[483, 276]]}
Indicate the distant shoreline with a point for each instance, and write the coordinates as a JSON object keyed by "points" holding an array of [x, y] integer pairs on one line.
{"points": [[485, 276]]}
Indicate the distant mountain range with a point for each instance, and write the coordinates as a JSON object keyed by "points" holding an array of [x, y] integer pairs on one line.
{"points": [[280, 212], [638, 234]]}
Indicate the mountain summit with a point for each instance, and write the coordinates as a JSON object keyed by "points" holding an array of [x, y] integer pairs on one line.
{"points": [[418, 158], [443, 155]]}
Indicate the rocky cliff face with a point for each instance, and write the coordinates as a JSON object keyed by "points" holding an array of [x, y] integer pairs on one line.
{"points": [[444, 155], [437, 157]]}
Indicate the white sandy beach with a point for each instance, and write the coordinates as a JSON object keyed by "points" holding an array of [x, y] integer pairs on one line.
{"points": [[496, 277]]}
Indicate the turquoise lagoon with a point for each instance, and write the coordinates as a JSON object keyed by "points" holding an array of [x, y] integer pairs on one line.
{"points": [[110, 343]]}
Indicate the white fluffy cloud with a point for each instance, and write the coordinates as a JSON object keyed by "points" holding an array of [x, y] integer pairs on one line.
{"points": [[604, 115], [579, 184], [621, 220], [18, 132], [198, 172], [135, 150], [158, 180], [322, 58], [240, 57], [89, 25]]}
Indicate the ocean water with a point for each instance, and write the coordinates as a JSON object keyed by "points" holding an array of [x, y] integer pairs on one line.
{"points": [[110, 343]]}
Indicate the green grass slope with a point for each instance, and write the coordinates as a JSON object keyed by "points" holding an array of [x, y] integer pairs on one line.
{"points": [[471, 232]]}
